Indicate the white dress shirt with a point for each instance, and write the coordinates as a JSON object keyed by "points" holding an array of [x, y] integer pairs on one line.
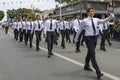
{"points": [[106, 25], [62, 25], [28, 25], [15, 25], [47, 26], [20, 24], [77, 25], [24, 24], [68, 25], [86, 24], [36, 25]]}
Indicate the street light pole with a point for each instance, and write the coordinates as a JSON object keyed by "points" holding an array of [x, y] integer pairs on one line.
{"points": [[60, 9], [81, 9]]}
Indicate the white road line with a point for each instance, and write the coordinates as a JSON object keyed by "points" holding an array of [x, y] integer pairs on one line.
{"points": [[76, 62]]}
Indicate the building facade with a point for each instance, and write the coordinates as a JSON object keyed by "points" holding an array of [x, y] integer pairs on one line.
{"points": [[72, 9]]}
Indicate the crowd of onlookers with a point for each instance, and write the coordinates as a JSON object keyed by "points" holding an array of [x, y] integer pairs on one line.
{"points": [[116, 29]]}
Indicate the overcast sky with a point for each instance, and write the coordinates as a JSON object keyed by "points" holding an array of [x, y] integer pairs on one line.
{"points": [[41, 4], [14, 4]]}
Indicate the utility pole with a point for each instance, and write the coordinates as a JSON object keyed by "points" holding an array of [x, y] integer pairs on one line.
{"points": [[60, 9], [85, 3], [81, 9]]}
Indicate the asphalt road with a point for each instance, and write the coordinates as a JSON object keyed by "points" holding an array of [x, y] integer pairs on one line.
{"points": [[19, 62]]}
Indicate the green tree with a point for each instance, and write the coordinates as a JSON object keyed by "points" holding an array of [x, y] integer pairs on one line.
{"points": [[32, 15], [19, 12], [1, 15]]}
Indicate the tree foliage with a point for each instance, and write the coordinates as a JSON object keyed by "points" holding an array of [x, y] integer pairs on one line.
{"points": [[21, 12], [1, 15]]}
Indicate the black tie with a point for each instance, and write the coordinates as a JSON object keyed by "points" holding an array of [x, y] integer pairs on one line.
{"points": [[93, 26], [17, 24], [63, 25], [38, 25], [104, 25], [50, 24], [79, 22], [30, 25]]}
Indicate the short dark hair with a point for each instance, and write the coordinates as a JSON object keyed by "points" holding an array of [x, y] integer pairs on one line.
{"points": [[63, 16], [88, 9], [29, 17], [51, 14], [37, 16]]}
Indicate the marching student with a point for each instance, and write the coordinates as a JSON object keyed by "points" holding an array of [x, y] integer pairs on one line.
{"points": [[49, 33], [105, 27], [29, 33], [20, 24], [62, 28], [90, 25], [16, 29], [77, 26], [24, 28], [6, 27], [38, 27], [67, 30]]}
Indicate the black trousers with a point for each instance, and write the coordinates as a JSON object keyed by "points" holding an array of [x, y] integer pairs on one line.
{"points": [[91, 42], [29, 36], [78, 43], [68, 35], [74, 34], [50, 41], [83, 36], [16, 33], [20, 35], [104, 38], [56, 37], [6, 29], [38, 38], [24, 34], [63, 38]]}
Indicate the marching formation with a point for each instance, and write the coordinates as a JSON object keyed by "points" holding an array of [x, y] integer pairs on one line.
{"points": [[86, 30]]}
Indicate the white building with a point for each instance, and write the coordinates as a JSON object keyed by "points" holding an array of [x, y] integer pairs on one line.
{"points": [[30, 4]]}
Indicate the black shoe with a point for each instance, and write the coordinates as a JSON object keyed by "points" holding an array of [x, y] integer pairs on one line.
{"points": [[37, 49], [101, 48], [99, 75], [31, 46], [104, 50], [56, 43], [25, 44], [49, 56], [110, 44], [87, 69], [52, 54], [77, 51], [63, 47], [82, 44]]}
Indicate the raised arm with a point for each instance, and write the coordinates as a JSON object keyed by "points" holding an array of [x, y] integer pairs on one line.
{"points": [[100, 21]]}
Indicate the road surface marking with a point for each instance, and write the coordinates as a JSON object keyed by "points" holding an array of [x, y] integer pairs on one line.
{"points": [[76, 62]]}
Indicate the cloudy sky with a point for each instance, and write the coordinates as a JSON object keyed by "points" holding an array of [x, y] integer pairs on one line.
{"points": [[41, 4], [14, 4]]}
